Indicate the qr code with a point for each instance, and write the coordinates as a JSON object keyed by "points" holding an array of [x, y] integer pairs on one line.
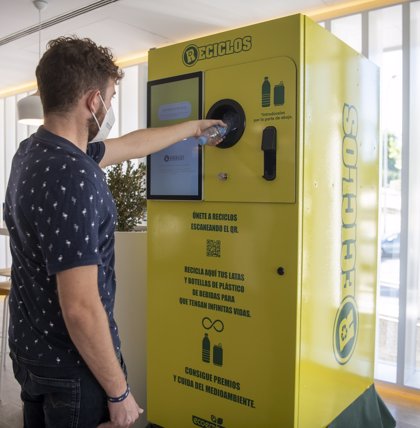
{"points": [[213, 248]]}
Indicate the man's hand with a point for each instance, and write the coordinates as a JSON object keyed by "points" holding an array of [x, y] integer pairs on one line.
{"points": [[204, 124], [123, 414]]}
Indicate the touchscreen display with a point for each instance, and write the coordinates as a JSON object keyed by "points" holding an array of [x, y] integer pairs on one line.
{"points": [[175, 172]]}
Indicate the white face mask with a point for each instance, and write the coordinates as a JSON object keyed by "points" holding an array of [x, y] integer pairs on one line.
{"points": [[107, 124]]}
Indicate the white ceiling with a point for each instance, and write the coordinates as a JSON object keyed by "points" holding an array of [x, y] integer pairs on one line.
{"points": [[128, 27]]}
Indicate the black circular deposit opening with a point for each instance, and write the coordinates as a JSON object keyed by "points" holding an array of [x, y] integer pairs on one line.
{"points": [[232, 113]]}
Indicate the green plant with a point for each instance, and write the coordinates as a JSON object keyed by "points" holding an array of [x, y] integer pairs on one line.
{"points": [[393, 167], [127, 183]]}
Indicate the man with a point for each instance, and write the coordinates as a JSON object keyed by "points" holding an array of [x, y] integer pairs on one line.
{"points": [[63, 338]]}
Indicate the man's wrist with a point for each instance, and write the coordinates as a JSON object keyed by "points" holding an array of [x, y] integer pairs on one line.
{"points": [[120, 398]]}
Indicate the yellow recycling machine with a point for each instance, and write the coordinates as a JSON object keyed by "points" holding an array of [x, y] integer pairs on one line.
{"points": [[262, 251]]}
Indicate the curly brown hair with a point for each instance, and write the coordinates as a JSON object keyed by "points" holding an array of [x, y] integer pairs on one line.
{"points": [[69, 68]]}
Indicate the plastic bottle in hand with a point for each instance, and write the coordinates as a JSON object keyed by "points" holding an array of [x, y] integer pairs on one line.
{"points": [[212, 136]]}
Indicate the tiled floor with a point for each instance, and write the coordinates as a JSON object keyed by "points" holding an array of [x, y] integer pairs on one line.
{"points": [[403, 404]]}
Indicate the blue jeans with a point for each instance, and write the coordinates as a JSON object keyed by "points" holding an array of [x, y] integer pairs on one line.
{"points": [[60, 397]]}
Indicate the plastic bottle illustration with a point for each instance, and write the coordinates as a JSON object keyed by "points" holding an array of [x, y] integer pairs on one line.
{"points": [[206, 348], [211, 136], [218, 355], [266, 93], [279, 94]]}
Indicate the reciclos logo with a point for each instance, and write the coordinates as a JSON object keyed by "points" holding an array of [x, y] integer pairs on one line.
{"points": [[347, 319], [193, 53], [203, 423]]}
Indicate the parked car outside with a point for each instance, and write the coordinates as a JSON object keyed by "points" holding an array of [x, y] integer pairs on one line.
{"points": [[390, 246]]}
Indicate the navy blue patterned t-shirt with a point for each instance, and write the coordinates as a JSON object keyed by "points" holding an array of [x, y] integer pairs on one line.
{"points": [[60, 215]]}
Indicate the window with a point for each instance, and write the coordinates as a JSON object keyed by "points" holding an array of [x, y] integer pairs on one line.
{"points": [[392, 40], [385, 36], [349, 29], [409, 344]]}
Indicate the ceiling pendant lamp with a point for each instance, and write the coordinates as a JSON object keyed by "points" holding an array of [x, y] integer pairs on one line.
{"points": [[29, 109]]}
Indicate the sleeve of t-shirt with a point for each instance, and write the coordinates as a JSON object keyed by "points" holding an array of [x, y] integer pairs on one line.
{"points": [[68, 227], [96, 151]]}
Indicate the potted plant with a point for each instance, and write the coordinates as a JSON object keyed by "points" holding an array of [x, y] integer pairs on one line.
{"points": [[127, 183]]}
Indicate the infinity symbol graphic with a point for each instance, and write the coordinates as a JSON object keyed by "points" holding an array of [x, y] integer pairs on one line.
{"points": [[217, 325]]}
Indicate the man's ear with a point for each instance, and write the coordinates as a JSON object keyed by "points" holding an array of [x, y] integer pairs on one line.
{"points": [[92, 100]]}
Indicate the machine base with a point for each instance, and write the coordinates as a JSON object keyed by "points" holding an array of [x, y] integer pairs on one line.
{"points": [[366, 411]]}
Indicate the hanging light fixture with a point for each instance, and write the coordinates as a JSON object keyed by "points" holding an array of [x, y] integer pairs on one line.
{"points": [[29, 109]]}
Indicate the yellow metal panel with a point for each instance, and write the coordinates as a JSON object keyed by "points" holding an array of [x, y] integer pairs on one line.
{"points": [[223, 283], [279, 37], [340, 203], [244, 163]]}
